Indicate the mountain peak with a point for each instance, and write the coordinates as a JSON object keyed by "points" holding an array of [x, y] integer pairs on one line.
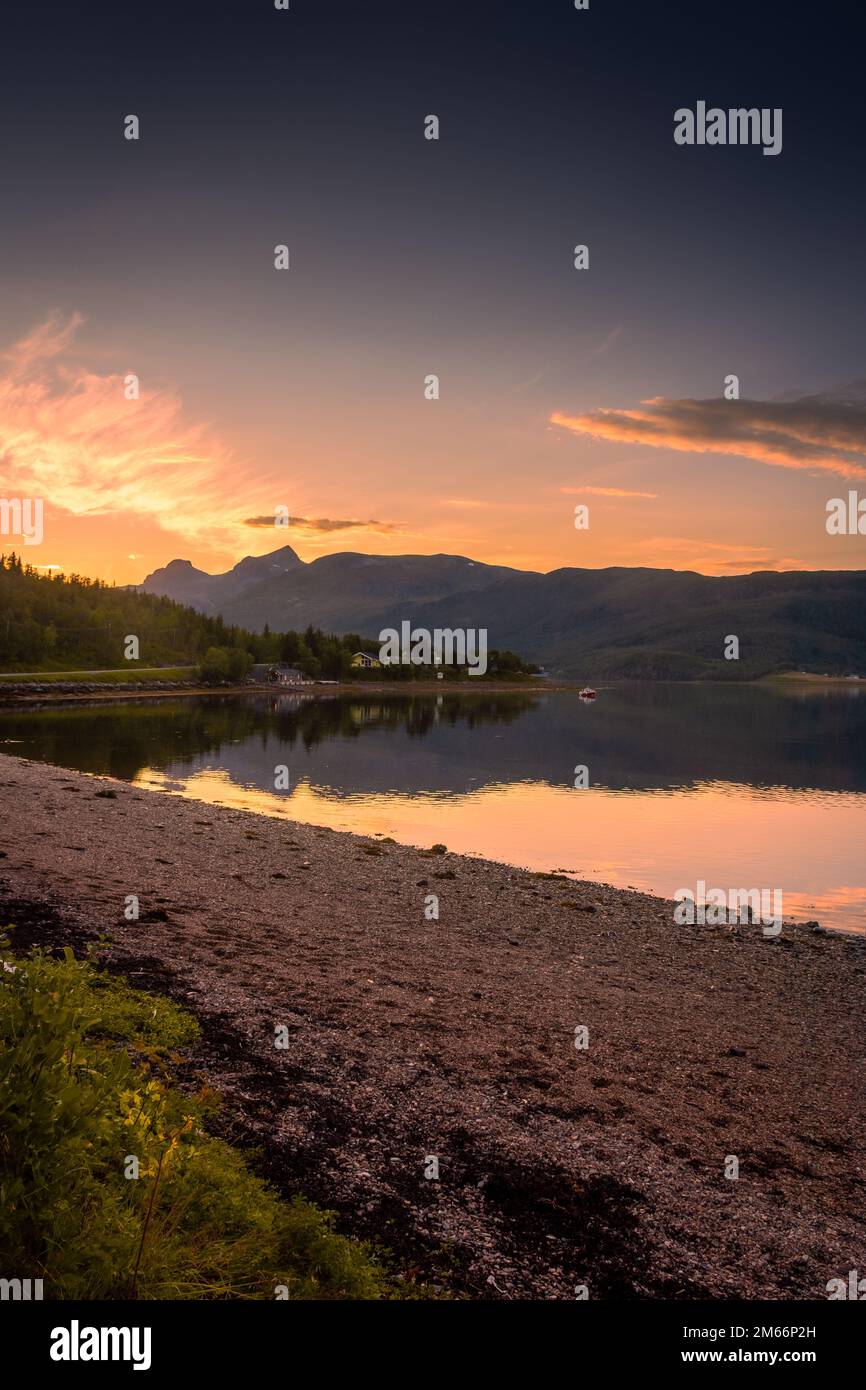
{"points": [[275, 561], [178, 568]]}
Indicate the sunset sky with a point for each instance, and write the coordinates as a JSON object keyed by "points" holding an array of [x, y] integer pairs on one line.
{"points": [[305, 388]]}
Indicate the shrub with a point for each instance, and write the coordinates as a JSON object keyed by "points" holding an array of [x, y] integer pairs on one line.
{"points": [[224, 664], [84, 1085]]}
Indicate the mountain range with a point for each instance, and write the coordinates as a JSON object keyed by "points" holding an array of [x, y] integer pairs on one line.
{"points": [[578, 623]]}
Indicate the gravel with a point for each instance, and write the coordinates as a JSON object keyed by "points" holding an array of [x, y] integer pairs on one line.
{"points": [[454, 1039]]}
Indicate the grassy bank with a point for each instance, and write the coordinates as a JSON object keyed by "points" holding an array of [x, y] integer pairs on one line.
{"points": [[111, 1186], [118, 677]]}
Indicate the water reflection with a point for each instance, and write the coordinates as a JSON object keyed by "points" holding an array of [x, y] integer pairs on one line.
{"points": [[739, 786]]}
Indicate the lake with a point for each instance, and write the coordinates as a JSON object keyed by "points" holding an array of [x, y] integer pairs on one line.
{"points": [[735, 786]]}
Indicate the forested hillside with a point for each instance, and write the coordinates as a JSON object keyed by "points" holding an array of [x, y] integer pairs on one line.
{"points": [[60, 622], [71, 623], [584, 624]]}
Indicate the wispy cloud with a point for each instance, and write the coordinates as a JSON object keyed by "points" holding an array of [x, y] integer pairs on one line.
{"points": [[708, 557], [530, 381], [606, 492], [607, 342], [69, 435], [825, 431], [325, 524]]}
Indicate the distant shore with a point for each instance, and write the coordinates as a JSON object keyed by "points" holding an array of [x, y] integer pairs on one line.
{"points": [[52, 688], [813, 678], [33, 692], [413, 1037]]}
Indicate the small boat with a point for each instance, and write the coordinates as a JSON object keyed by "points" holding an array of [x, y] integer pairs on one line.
{"points": [[588, 693]]}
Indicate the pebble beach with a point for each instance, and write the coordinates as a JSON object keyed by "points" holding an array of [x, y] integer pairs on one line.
{"points": [[562, 1168]]}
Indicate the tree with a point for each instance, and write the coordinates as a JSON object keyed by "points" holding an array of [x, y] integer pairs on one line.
{"points": [[223, 665]]}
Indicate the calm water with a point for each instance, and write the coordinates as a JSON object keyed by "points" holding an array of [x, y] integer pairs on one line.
{"points": [[738, 787]]}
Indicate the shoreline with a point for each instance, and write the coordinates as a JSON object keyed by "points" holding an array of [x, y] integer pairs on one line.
{"points": [[455, 1038], [32, 692], [812, 678], [13, 694]]}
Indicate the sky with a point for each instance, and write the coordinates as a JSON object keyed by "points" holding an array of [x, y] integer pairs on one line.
{"points": [[304, 389]]}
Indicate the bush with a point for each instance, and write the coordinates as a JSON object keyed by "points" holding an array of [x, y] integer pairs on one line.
{"points": [[84, 1087], [224, 665]]}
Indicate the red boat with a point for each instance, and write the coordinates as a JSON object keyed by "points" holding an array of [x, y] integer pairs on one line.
{"points": [[588, 693]]}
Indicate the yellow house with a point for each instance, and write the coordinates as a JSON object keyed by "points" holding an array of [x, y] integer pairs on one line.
{"points": [[365, 659]]}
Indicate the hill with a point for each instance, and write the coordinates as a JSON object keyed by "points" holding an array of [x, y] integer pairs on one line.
{"points": [[71, 623], [587, 624]]}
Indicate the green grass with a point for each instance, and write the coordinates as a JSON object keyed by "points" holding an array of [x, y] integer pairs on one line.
{"points": [[135, 673], [85, 1087]]}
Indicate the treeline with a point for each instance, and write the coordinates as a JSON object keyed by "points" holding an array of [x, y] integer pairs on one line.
{"points": [[325, 657], [71, 623]]}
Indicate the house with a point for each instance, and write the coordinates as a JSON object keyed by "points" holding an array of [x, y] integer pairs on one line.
{"points": [[365, 660], [280, 674]]}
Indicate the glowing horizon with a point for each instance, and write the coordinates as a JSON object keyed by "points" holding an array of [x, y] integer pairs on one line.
{"points": [[303, 387], [130, 484]]}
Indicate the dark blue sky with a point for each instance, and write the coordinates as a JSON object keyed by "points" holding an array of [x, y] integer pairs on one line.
{"points": [[305, 127]]}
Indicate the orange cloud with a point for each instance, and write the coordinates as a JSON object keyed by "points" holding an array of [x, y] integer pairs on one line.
{"points": [[324, 524], [707, 557], [71, 437], [606, 492], [826, 432]]}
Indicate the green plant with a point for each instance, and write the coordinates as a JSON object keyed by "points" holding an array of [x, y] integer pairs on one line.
{"points": [[222, 664], [110, 1185]]}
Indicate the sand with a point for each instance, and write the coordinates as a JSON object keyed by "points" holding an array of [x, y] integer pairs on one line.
{"points": [[411, 1039]]}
